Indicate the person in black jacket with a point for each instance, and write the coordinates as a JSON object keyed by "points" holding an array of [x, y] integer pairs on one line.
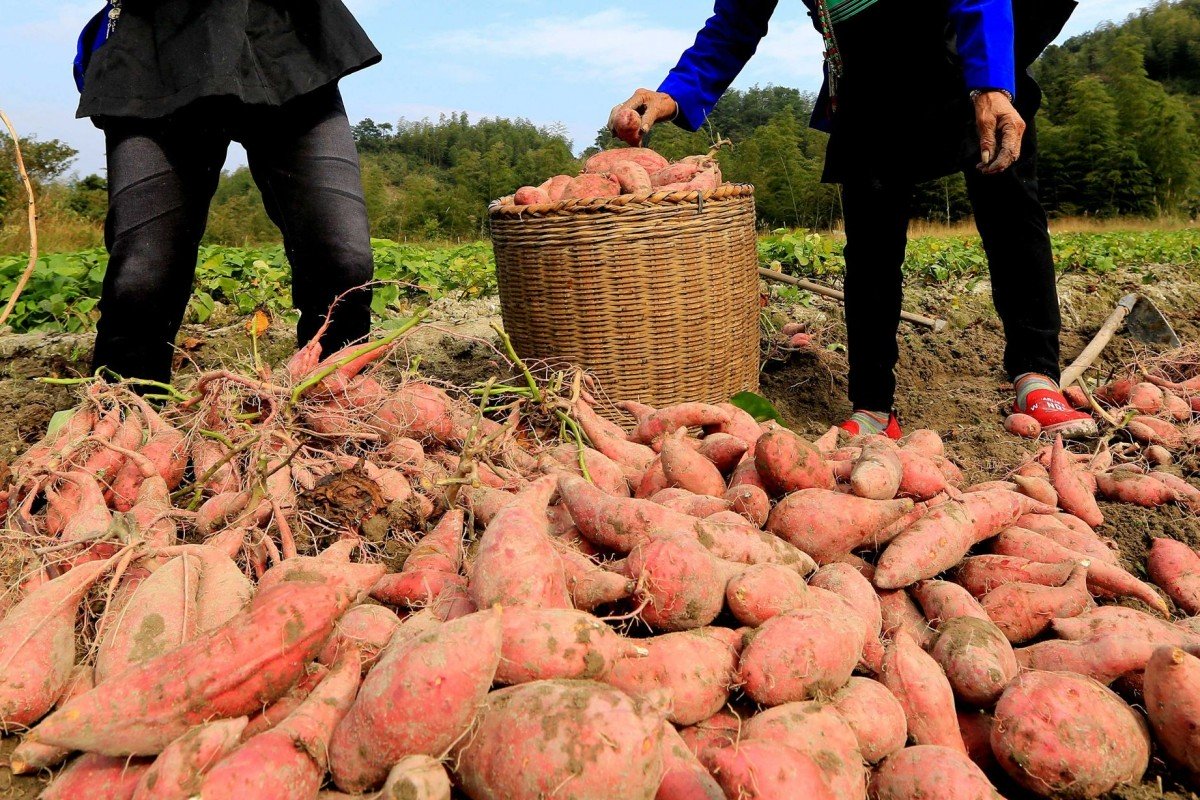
{"points": [[173, 82]]}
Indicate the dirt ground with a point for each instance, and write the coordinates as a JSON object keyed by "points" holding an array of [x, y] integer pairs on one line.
{"points": [[952, 382]]}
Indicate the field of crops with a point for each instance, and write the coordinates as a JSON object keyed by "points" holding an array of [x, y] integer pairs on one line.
{"points": [[64, 291]]}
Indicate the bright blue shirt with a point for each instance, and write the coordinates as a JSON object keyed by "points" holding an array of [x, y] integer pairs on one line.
{"points": [[984, 30]]}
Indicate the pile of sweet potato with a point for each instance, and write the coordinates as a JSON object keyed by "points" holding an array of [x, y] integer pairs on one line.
{"points": [[693, 605], [625, 170]]}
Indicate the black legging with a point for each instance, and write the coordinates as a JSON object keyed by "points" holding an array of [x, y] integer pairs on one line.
{"points": [[1011, 223], [161, 178]]}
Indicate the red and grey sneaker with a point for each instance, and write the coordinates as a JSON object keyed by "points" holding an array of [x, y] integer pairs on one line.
{"points": [[872, 423], [1051, 409]]}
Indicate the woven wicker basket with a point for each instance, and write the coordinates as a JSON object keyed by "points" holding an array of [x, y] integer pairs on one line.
{"points": [[656, 295]]}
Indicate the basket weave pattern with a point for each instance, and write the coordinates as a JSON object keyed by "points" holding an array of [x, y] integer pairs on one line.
{"points": [[657, 296]]}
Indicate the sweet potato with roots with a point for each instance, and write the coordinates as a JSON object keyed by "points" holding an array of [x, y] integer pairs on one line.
{"points": [[179, 769], [787, 463], [1172, 694], [653, 425], [633, 458], [684, 777], [977, 659], [816, 730], [419, 411], [828, 524], [924, 692], [1105, 621], [680, 585], [720, 730], [1175, 568], [590, 584], [605, 473], [278, 711], [1129, 487], [632, 177], [368, 628], [874, 715], [37, 647], [1037, 488], [749, 501], [799, 655], [228, 672], [698, 667], [686, 468], [1024, 610], [435, 559], [94, 775], [901, 613], [848, 583], [544, 644], [350, 579], [528, 740], [31, 755], [1103, 659], [943, 601], [768, 771], [1108, 744], [763, 591], [877, 472], [1073, 495], [981, 574], [931, 772]]}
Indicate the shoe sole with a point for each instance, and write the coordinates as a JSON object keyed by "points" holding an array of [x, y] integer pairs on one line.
{"points": [[1075, 429]]}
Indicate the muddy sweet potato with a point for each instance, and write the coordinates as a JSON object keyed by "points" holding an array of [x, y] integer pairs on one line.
{"points": [[97, 776], [877, 472], [763, 591], [874, 715], [684, 777], [591, 187], [768, 771], [977, 658], [686, 468], [550, 643], [1175, 568], [1172, 694], [698, 667], [1023, 610], [368, 628], [632, 177], [1073, 495], [787, 463], [925, 694], [680, 585], [416, 778], [799, 655], [1130, 487], [179, 769], [644, 157], [554, 187], [1104, 659], [818, 731], [931, 772], [32, 755], [943, 601], [981, 574]]}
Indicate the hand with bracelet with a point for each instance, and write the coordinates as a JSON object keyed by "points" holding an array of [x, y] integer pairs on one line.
{"points": [[1000, 130]]}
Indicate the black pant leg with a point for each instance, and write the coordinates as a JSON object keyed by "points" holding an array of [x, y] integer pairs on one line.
{"points": [[161, 179], [1012, 224], [876, 218], [304, 160]]}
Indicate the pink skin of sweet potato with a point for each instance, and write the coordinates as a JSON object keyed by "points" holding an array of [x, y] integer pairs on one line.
{"points": [[816, 730], [788, 464], [278, 711], [37, 646], [590, 584], [684, 777], [178, 771], [1024, 610], [924, 693], [942, 601], [1073, 495], [1104, 659], [350, 579], [1079, 539], [922, 478], [527, 741], [698, 667], [976, 729], [368, 628], [1105, 621], [746, 474], [738, 424], [874, 715], [653, 481], [901, 613], [1108, 744], [799, 655], [1146, 398], [419, 411], [981, 574], [680, 585], [1176, 407], [605, 473], [97, 776], [724, 450], [931, 772], [230, 671], [437, 556], [750, 502], [416, 778], [31, 755], [877, 472], [1023, 425], [977, 659], [889, 532], [549, 643], [926, 442], [827, 442], [686, 468], [530, 196], [768, 771], [420, 697], [655, 424], [631, 177], [554, 187], [1175, 568], [642, 156], [1129, 487], [763, 591], [1172, 694], [1037, 488], [694, 505], [720, 730], [676, 174], [849, 584], [828, 524], [1186, 494], [633, 458]]}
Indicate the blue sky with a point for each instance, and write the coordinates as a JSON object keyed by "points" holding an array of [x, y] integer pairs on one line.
{"points": [[566, 62]]}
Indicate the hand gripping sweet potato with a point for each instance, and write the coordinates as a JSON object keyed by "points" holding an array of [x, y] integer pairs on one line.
{"points": [[684, 777], [799, 655], [644, 157], [1024, 610], [1073, 495], [1108, 742], [179, 769], [980, 574], [697, 667], [1175, 568], [31, 754], [877, 472], [931, 772], [828, 524], [368, 628], [1103, 659], [37, 646], [768, 771], [943, 601], [419, 698], [686, 468], [1172, 694], [924, 693], [230, 671], [977, 659], [787, 463], [816, 730], [763, 591], [570, 739], [544, 644], [97, 776], [874, 715]]}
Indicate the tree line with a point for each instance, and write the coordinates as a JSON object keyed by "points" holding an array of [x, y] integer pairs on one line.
{"points": [[1119, 134]]}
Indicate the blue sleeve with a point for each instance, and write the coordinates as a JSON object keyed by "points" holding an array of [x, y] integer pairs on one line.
{"points": [[722, 48], [985, 43]]}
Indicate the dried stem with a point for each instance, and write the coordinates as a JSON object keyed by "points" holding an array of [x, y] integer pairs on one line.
{"points": [[33, 242]]}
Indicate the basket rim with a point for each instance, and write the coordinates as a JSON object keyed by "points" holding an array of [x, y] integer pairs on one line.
{"points": [[504, 207]]}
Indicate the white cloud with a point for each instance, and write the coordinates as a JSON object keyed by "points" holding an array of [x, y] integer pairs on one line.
{"points": [[62, 22], [790, 55]]}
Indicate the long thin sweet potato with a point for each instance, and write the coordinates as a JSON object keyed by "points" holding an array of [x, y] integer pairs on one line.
{"points": [[31, 755], [96, 775], [1103, 659], [1175, 568], [1073, 495], [827, 524], [919, 684], [1024, 610], [980, 574]]}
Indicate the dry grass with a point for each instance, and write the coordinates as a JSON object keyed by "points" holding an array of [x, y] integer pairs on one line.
{"points": [[921, 228], [59, 231]]}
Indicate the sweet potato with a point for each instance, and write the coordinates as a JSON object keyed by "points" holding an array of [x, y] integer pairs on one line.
{"points": [[278, 711], [435, 557], [797, 656], [1185, 493], [1108, 743], [543, 644], [228, 672], [1104, 621], [787, 463], [1024, 610], [1037, 488], [684, 777], [977, 659], [368, 628], [31, 755], [419, 698], [720, 730], [97, 776], [644, 157], [1073, 496], [828, 524], [1023, 425], [350, 579], [750, 502], [874, 715], [901, 613], [1172, 693], [530, 196], [931, 772], [1129, 487], [877, 472], [528, 741], [676, 174], [763, 591], [1104, 659], [679, 584], [1081, 540], [37, 647], [981, 574], [684, 467], [849, 584], [590, 584], [1146, 398], [976, 729], [632, 177], [698, 667], [179, 769], [554, 187], [818, 731], [724, 450], [419, 411], [942, 601], [922, 477], [591, 187], [924, 693], [1175, 568], [768, 771], [604, 472], [416, 778], [654, 424]]}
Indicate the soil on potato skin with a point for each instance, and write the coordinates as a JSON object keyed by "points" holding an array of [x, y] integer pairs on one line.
{"points": [[952, 382]]}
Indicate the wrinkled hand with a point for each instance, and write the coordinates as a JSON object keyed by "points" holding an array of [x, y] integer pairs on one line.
{"points": [[1000, 131], [634, 118]]}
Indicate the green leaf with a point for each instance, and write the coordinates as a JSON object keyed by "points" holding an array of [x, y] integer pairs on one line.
{"points": [[59, 420], [756, 406]]}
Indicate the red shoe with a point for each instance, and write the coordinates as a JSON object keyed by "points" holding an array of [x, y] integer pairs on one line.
{"points": [[1056, 416], [853, 427]]}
